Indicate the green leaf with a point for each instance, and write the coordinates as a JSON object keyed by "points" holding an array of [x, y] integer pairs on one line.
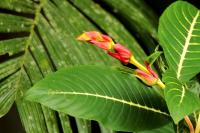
{"points": [[40, 38], [39, 47], [194, 85], [65, 122], [44, 40], [168, 128], [180, 100], [106, 130], [19, 6], [33, 115], [81, 126], [49, 36], [153, 57], [117, 100], [180, 38], [137, 17]]}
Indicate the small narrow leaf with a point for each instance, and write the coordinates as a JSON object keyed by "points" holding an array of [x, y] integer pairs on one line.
{"points": [[153, 57], [117, 100], [180, 100], [180, 38]]}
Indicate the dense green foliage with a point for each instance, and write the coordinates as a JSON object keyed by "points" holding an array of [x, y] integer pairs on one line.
{"points": [[39, 38]]}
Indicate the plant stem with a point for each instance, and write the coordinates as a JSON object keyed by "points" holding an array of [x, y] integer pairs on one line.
{"points": [[161, 84], [141, 67], [189, 123], [197, 129]]}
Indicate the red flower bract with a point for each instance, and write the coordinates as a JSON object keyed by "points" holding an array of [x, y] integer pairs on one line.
{"points": [[121, 53], [150, 78], [102, 45], [100, 40], [147, 78], [150, 70]]}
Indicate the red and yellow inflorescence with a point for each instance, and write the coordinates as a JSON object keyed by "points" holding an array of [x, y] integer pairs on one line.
{"points": [[123, 54]]}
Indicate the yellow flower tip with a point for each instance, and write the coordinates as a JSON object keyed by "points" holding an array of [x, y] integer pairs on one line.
{"points": [[83, 37], [161, 84], [111, 45], [96, 38], [132, 59]]}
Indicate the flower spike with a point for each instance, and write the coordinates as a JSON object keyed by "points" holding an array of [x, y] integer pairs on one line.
{"points": [[118, 51]]}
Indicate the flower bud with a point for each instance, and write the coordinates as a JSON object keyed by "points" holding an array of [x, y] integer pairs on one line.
{"points": [[147, 78], [151, 71], [121, 53], [100, 40]]}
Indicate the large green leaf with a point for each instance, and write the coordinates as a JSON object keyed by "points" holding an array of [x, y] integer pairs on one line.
{"points": [[180, 100], [180, 38], [40, 38], [31, 55], [117, 100], [37, 47]]}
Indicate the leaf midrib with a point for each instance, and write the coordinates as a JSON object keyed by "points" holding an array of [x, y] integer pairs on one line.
{"points": [[182, 95], [28, 42], [186, 45], [109, 98]]}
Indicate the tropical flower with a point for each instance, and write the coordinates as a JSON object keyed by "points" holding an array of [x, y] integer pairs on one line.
{"points": [[146, 77], [118, 51], [151, 71], [121, 53], [150, 78], [100, 40]]}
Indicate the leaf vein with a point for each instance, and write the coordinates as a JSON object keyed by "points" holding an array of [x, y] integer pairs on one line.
{"points": [[186, 45], [109, 98]]}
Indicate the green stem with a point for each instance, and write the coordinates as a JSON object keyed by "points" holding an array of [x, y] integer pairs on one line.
{"points": [[141, 67], [138, 65], [161, 84]]}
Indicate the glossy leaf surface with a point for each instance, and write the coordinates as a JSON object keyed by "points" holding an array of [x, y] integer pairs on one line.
{"points": [[180, 38], [180, 100], [117, 100]]}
